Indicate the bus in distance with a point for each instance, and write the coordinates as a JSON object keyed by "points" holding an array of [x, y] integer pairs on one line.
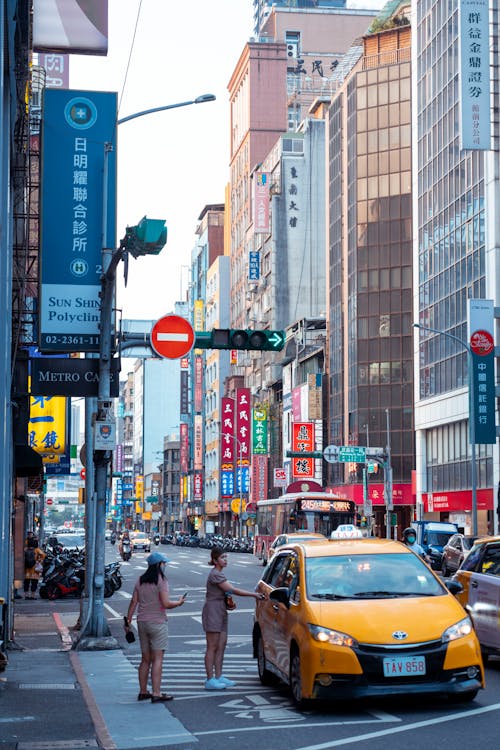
{"points": [[319, 512]]}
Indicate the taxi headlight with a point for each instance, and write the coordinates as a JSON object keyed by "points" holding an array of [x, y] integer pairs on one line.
{"points": [[334, 637], [459, 630]]}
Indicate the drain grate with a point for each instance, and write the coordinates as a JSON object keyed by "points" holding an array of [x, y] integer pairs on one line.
{"points": [[46, 686], [57, 745]]}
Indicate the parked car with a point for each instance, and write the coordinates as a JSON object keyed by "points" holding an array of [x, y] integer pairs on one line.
{"points": [[480, 579], [362, 618], [346, 531], [454, 551], [71, 541], [295, 536], [140, 541], [432, 537]]}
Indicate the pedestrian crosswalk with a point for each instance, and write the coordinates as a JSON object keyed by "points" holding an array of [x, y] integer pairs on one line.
{"points": [[184, 674]]}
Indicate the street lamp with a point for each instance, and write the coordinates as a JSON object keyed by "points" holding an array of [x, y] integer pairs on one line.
{"points": [[472, 417], [149, 236]]}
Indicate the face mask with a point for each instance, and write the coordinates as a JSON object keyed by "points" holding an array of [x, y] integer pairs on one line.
{"points": [[411, 539]]}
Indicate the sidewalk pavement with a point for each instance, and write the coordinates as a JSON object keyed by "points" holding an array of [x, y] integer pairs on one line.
{"points": [[56, 698]]}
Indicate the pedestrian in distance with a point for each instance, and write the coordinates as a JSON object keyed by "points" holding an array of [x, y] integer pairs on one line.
{"points": [[33, 566], [214, 619], [151, 599]]}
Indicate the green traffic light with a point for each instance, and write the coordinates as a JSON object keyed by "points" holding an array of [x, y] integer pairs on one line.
{"points": [[242, 339]]}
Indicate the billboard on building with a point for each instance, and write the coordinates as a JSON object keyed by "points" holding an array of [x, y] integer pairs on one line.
{"points": [[184, 447], [261, 202], [76, 127], [76, 26], [481, 325], [198, 442], [259, 430], [47, 428], [56, 70], [227, 446]]}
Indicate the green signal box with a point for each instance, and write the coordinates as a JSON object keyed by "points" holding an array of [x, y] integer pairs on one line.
{"points": [[147, 238], [243, 339]]}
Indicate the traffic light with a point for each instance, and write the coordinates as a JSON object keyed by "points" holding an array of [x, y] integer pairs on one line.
{"points": [[147, 238], [231, 338]]}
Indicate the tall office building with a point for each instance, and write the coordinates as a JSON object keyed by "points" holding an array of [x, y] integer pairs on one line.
{"points": [[262, 8], [455, 259], [370, 345]]}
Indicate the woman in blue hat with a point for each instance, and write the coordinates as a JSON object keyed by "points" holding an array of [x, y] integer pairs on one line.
{"points": [[151, 600]]}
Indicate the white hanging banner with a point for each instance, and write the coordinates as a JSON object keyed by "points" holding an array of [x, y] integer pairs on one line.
{"points": [[474, 74]]}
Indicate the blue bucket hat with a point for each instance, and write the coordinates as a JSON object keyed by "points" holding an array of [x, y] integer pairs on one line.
{"points": [[156, 557]]}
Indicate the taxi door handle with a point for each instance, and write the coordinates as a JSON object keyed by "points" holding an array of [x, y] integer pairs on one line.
{"points": [[474, 584], [275, 607]]}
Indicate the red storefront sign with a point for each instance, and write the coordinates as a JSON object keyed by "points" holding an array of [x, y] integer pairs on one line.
{"points": [[401, 493], [303, 440], [435, 502], [243, 424]]}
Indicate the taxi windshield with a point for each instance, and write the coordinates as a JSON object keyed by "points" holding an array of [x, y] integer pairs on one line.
{"points": [[369, 576]]}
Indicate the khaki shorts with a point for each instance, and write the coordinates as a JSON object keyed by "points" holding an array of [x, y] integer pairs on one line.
{"points": [[153, 636]]}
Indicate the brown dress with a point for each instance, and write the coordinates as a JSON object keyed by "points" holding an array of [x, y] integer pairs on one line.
{"points": [[214, 613]]}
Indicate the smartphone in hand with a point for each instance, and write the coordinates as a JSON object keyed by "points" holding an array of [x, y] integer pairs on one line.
{"points": [[184, 594]]}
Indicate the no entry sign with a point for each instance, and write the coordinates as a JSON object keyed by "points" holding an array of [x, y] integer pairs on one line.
{"points": [[172, 337]]}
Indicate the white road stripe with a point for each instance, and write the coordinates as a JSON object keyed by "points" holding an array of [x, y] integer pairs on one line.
{"points": [[404, 728], [125, 594]]}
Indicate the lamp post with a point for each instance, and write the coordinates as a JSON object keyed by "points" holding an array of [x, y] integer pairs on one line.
{"points": [[472, 417], [149, 236]]}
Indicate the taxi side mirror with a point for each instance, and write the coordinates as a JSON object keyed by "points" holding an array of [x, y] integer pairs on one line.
{"points": [[454, 587], [281, 595]]}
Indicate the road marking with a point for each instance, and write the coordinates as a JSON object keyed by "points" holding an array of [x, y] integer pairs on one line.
{"points": [[404, 728], [125, 594], [17, 718], [113, 611]]}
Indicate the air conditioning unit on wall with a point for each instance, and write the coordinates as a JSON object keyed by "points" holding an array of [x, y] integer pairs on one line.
{"points": [[292, 49]]}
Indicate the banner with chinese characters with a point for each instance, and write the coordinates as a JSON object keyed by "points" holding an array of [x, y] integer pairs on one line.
{"points": [[481, 325], [198, 486], [198, 442], [261, 202], [259, 431], [47, 424], [303, 441], [474, 74], [259, 483], [227, 445], [184, 447], [198, 383], [243, 438]]}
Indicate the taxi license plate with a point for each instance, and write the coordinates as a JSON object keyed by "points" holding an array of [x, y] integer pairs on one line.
{"points": [[404, 666]]}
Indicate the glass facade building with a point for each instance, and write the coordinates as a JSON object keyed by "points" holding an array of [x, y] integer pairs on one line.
{"points": [[449, 264], [370, 258]]}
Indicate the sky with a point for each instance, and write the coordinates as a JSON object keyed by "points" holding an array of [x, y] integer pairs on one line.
{"points": [[170, 164]]}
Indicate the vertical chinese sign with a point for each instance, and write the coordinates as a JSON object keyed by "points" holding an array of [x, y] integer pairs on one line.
{"points": [[474, 74], [303, 441], [227, 443], [259, 483], [243, 438], [482, 380], [76, 127]]}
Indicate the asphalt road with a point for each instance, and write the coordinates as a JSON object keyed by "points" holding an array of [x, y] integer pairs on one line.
{"points": [[253, 715]]}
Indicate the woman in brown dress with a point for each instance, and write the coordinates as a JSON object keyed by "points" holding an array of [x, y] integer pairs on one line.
{"points": [[33, 566], [214, 619]]}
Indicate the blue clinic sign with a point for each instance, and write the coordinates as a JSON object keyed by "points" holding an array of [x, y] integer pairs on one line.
{"points": [[254, 265], [76, 126]]}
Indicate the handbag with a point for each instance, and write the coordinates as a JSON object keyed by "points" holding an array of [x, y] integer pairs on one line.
{"points": [[38, 567], [129, 634], [230, 603]]}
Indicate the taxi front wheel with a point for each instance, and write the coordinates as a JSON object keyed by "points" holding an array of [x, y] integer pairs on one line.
{"points": [[296, 680]]}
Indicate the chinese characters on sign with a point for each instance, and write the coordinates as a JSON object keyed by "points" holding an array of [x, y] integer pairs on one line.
{"points": [[47, 424], [474, 71], [482, 348], [261, 202], [227, 443], [77, 125], [303, 441], [254, 265], [243, 438], [259, 431], [56, 69]]}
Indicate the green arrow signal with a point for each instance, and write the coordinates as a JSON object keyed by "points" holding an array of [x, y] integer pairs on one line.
{"points": [[277, 340]]}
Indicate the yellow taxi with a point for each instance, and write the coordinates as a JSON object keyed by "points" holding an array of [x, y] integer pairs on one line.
{"points": [[479, 576], [360, 618]]}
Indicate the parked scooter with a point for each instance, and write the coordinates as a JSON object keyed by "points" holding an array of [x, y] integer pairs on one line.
{"points": [[157, 539], [112, 538]]}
